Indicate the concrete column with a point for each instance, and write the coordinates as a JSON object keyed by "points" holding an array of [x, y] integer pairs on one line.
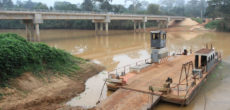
{"points": [[37, 32], [101, 26], [134, 26], [144, 26], [96, 26], [139, 26], [27, 32], [159, 24], [107, 27], [31, 28], [166, 23]]}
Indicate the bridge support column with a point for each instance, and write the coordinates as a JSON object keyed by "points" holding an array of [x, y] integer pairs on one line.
{"points": [[29, 29], [27, 32], [134, 26], [96, 26], [37, 32], [37, 20], [144, 26], [139, 26], [106, 27], [145, 19], [101, 26]]}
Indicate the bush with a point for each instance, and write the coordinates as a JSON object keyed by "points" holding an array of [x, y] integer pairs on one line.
{"points": [[199, 20], [213, 24], [224, 25], [18, 55]]}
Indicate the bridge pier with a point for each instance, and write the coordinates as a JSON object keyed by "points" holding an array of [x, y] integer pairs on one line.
{"points": [[96, 26], [101, 24], [134, 26], [29, 29], [139, 26], [106, 27], [37, 32], [143, 21], [31, 26], [144, 26], [162, 24]]}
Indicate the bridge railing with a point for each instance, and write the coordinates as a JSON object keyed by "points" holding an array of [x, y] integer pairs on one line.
{"points": [[81, 12]]}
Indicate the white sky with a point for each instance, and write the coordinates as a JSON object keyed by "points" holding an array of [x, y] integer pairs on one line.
{"points": [[51, 2]]}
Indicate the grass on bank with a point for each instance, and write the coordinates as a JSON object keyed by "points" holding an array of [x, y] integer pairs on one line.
{"points": [[18, 56], [213, 24], [199, 20]]}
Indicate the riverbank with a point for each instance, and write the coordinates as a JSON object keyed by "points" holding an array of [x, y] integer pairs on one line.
{"points": [[187, 25], [47, 93], [36, 76]]}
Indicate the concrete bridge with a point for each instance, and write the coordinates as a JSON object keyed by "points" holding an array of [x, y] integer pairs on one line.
{"points": [[32, 19]]}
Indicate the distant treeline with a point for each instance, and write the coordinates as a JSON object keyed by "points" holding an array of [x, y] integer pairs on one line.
{"points": [[71, 24], [191, 8]]}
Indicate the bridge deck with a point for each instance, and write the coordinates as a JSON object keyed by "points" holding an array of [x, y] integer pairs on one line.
{"points": [[124, 99]]}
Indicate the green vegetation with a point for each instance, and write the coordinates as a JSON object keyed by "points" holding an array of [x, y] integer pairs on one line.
{"points": [[1, 95], [18, 56], [220, 9], [213, 24], [199, 20]]}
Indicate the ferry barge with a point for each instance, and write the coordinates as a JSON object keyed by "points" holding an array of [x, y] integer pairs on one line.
{"points": [[176, 79]]}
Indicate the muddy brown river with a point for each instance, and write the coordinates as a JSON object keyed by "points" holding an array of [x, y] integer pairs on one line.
{"points": [[121, 48]]}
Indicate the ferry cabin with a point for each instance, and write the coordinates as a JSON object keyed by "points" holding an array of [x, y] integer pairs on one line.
{"points": [[205, 59]]}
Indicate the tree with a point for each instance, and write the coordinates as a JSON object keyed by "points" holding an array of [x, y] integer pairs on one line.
{"points": [[41, 6], [118, 8], [153, 9], [65, 6], [87, 5], [7, 4], [168, 4], [29, 4], [220, 8], [134, 6], [104, 5], [193, 8]]}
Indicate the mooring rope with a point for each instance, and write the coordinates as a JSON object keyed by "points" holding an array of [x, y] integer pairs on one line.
{"points": [[101, 92]]}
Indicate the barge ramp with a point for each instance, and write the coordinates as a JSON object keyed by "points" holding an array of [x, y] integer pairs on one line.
{"points": [[136, 95]]}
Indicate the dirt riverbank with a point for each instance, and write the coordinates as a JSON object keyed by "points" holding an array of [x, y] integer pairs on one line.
{"points": [[28, 92], [187, 25]]}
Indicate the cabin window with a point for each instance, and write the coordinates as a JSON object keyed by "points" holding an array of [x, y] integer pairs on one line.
{"points": [[164, 36], [157, 36], [196, 61], [203, 60], [209, 59]]}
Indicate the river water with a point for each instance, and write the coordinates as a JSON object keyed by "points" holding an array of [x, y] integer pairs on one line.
{"points": [[121, 48]]}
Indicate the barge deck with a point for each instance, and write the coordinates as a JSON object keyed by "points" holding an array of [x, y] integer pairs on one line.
{"points": [[136, 94]]}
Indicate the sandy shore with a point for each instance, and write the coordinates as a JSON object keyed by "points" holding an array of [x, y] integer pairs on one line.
{"points": [[29, 92]]}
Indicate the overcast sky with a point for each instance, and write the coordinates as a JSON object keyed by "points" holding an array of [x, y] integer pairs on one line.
{"points": [[51, 2]]}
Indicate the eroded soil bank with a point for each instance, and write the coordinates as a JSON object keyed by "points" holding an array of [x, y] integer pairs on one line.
{"points": [[47, 93]]}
